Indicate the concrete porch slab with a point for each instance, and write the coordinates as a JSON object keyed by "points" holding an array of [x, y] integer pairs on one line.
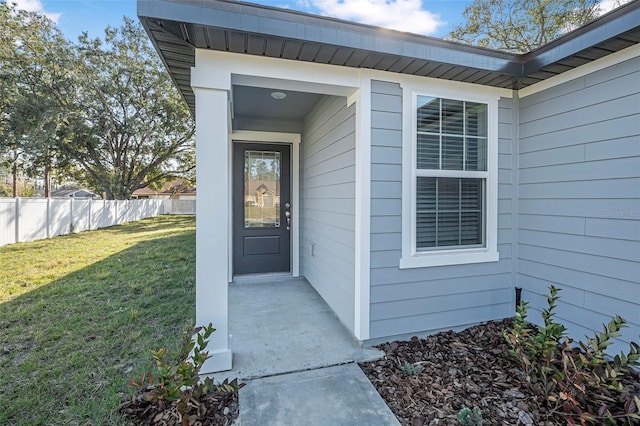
{"points": [[332, 396], [281, 325]]}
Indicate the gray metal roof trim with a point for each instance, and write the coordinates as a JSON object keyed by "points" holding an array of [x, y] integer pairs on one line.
{"points": [[606, 19], [260, 11], [190, 24], [625, 19], [307, 51], [267, 21]]}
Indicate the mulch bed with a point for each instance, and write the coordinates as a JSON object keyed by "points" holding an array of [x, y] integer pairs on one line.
{"points": [[470, 368], [214, 408]]}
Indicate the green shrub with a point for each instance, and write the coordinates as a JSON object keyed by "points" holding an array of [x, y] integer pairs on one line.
{"points": [[467, 416], [409, 369], [580, 383], [181, 382]]}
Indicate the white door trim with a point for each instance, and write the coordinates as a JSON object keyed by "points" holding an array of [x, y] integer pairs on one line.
{"points": [[292, 139]]}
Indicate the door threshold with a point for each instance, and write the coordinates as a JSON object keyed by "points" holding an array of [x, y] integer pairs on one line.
{"points": [[262, 277]]}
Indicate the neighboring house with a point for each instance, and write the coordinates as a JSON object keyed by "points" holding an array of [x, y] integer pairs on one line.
{"points": [[145, 192], [420, 180], [178, 189], [74, 193]]}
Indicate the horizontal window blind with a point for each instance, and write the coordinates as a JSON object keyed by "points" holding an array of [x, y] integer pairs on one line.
{"points": [[451, 136], [449, 212]]}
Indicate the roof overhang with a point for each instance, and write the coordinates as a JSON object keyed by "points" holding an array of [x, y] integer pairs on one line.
{"points": [[178, 27]]}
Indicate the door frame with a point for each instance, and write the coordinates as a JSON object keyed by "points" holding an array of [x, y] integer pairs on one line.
{"points": [[263, 248], [276, 138]]}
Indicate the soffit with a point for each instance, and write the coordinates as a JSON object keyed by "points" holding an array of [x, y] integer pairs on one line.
{"points": [[258, 102], [178, 27]]}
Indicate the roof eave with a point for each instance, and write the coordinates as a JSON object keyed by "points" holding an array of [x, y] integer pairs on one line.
{"points": [[178, 27], [273, 22], [613, 24]]}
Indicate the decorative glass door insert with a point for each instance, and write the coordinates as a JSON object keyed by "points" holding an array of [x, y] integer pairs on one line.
{"points": [[262, 171]]}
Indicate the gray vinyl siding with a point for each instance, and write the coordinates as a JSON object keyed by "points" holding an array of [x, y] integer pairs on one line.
{"points": [[327, 199], [579, 199], [429, 299]]}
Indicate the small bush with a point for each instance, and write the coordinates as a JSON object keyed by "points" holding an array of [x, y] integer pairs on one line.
{"points": [[409, 369], [580, 383], [467, 416], [177, 388]]}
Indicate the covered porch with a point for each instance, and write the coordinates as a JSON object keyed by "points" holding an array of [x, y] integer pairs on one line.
{"points": [[280, 324], [283, 177]]}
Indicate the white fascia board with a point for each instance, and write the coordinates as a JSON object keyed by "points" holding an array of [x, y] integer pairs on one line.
{"points": [[583, 70], [260, 71], [218, 70], [258, 136], [439, 85], [292, 85]]}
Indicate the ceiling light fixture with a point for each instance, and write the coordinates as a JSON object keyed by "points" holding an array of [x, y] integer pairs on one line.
{"points": [[278, 95]]}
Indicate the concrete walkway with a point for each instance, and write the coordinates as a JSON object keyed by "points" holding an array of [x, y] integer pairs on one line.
{"points": [[297, 359], [328, 396]]}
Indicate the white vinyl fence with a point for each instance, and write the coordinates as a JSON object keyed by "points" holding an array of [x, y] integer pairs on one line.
{"points": [[177, 206], [30, 219]]}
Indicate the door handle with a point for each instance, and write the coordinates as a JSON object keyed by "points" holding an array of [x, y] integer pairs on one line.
{"points": [[287, 214]]}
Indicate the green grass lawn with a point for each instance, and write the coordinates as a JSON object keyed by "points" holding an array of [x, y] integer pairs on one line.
{"points": [[79, 315]]}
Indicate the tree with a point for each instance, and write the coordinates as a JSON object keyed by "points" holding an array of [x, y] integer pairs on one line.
{"points": [[520, 26], [130, 127], [35, 72], [104, 112]]}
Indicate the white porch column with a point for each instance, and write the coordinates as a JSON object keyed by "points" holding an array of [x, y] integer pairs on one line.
{"points": [[362, 98], [213, 222]]}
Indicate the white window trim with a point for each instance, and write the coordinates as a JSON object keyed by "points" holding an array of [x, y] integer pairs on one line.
{"points": [[411, 258]]}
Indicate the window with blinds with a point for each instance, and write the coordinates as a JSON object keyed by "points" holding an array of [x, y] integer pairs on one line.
{"points": [[451, 173]]}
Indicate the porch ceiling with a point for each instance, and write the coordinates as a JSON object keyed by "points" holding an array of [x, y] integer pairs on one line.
{"points": [[258, 102], [177, 27]]}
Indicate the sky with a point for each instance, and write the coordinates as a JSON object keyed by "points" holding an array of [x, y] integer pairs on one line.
{"points": [[428, 17]]}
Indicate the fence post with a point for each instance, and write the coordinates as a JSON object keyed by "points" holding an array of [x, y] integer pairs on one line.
{"points": [[103, 216], [48, 217], [71, 215], [17, 221], [90, 213]]}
